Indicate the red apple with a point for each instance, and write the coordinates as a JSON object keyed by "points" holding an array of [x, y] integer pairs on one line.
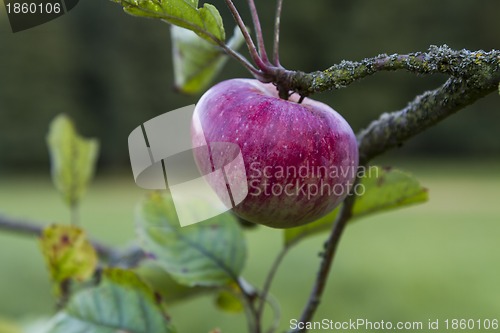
{"points": [[300, 159]]}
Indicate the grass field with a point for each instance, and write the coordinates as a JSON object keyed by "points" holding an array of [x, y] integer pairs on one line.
{"points": [[434, 261]]}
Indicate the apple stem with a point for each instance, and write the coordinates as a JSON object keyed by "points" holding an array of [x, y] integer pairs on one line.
{"points": [[248, 39], [283, 92], [265, 71], [276, 45], [258, 74], [258, 32]]}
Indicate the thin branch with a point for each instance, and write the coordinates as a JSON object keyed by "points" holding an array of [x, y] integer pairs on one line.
{"points": [[326, 262], [23, 227], [241, 59], [277, 23], [229, 51], [274, 304], [249, 296], [258, 31], [248, 39], [269, 279]]}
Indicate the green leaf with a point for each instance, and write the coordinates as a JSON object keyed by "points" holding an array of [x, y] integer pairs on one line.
{"points": [[210, 253], [213, 21], [196, 61], [68, 253], [72, 158], [227, 300], [384, 189], [121, 303], [203, 21]]}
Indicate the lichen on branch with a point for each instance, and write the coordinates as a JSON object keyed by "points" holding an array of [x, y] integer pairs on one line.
{"points": [[476, 66], [392, 129]]}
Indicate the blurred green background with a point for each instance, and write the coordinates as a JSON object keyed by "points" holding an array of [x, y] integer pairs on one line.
{"points": [[111, 72]]}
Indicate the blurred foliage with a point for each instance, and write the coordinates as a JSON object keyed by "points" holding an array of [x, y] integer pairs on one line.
{"points": [[110, 71], [121, 303], [73, 159]]}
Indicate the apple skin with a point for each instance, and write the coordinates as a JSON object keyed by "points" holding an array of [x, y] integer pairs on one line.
{"points": [[289, 150]]}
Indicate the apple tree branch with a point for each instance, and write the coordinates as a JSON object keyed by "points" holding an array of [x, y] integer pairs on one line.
{"points": [[392, 129], [473, 66]]}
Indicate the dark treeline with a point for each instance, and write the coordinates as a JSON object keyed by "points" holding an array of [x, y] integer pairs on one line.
{"points": [[111, 72]]}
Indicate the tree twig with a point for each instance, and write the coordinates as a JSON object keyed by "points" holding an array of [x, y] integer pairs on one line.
{"points": [[250, 294], [330, 248], [248, 39], [23, 227], [276, 43], [476, 67], [275, 306], [258, 31]]}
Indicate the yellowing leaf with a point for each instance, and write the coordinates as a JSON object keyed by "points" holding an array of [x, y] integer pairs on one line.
{"points": [[68, 253], [228, 300], [72, 158]]}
